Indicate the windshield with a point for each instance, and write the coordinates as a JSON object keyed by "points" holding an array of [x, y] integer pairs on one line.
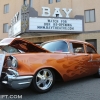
{"points": [[56, 46], [9, 49]]}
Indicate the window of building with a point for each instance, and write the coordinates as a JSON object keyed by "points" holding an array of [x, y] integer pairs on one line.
{"points": [[6, 8], [30, 3], [89, 15], [25, 2], [5, 28], [50, 1], [57, 0], [93, 42]]}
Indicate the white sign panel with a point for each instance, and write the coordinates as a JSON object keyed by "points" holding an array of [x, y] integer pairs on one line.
{"points": [[55, 24], [15, 29], [2, 57]]}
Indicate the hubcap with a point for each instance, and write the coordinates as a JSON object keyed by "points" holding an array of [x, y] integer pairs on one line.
{"points": [[44, 79]]}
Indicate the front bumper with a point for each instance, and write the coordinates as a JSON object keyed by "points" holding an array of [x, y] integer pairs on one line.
{"points": [[16, 82]]}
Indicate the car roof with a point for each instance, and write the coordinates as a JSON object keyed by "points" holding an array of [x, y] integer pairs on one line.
{"points": [[68, 40]]}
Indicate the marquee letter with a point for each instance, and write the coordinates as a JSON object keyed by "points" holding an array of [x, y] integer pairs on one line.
{"points": [[67, 11], [46, 11], [57, 12]]}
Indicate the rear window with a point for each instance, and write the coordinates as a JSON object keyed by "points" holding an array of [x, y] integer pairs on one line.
{"points": [[90, 50]]}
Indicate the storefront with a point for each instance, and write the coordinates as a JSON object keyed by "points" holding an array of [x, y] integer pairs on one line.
{"points": [[54, 18]]}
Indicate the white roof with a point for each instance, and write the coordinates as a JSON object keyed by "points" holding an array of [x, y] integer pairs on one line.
{"points": [[6, 41]]}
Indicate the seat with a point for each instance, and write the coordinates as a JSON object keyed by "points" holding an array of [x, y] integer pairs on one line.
{"points": [[79, 50]]}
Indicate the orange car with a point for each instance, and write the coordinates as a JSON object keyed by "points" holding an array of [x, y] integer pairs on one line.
{"points": [[23, 63]]}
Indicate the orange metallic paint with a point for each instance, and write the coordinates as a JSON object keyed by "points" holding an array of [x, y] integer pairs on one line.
{"points": [[69, 65]]}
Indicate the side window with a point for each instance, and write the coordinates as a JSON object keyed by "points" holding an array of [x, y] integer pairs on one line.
{"points": [[60, 46], [76, 48], [90, 50]]}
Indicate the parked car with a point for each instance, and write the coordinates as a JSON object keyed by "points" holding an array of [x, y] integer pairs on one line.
{"points": [[23, 63]]}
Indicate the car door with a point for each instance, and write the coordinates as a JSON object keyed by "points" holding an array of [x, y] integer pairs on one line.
{"points": [[77, 61], [94, 61]]}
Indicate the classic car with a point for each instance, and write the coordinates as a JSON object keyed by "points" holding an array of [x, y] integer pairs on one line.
{"points": [[24, 64]]}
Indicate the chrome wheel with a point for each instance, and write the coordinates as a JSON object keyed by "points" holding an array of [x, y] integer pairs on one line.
{"points": [[44, 79]]}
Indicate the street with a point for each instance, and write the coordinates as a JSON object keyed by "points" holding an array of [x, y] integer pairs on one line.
{"points": [[87, 88]]}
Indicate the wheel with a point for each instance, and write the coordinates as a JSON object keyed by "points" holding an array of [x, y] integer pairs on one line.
{"points": [[43, 80], [98, 73]]}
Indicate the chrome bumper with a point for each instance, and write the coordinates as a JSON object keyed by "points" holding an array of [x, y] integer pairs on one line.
{"points": [[17, 82]]}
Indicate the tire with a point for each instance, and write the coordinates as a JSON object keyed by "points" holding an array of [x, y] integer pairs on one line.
{"points": [[98, 73], [43, 80]]}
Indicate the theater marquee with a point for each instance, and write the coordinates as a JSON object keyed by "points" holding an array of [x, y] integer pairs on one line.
{"points": [[27, 21], [55, 24]]}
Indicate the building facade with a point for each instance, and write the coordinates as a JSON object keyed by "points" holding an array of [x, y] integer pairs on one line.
{"points": [[90, 9]]}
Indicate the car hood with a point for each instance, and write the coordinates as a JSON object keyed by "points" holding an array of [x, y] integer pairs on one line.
{"points": [[22, 44]]}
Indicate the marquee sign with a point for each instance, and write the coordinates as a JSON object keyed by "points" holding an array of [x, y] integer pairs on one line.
{"points": [[27, 21], [55, 24], [19, 22]]}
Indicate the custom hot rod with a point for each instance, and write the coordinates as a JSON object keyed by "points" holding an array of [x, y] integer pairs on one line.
{"points": [[23, 63]]}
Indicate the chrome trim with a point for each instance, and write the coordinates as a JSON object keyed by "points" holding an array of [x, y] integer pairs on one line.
{"points": [[93, 60], [17, 82], [24, 83], [18, 77], [5, 82], [14, 72], [60, 52]]}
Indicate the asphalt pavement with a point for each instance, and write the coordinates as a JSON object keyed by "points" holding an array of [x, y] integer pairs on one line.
{"points": [[87, 88]]}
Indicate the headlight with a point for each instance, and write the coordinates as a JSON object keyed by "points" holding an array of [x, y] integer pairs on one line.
{"points": [[14, 62]]}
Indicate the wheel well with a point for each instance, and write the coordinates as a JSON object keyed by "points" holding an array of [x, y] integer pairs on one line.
{"points": [[58, 77]]}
